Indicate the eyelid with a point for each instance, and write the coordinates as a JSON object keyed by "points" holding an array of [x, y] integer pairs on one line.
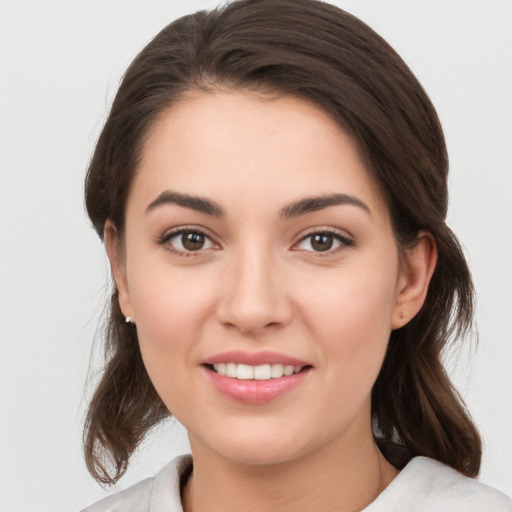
{"points": [[169, 234], [344, 239]]}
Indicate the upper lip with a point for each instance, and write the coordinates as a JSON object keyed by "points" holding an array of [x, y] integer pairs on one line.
{"points": [[254, 358]]}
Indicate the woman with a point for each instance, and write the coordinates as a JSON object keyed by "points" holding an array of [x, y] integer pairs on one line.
{"points": [[271, 189]]}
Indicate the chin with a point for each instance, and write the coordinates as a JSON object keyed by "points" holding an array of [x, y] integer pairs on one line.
{"points": [[256, 447], [258, 456]]}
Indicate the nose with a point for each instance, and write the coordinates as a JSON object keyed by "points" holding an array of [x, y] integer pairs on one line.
{"points": [[254, 296]]}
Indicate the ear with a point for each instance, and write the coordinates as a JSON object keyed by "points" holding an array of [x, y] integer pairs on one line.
{"points": [[118, 267], [414, 279]]}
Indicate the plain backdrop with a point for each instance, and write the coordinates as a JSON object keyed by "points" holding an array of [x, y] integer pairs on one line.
{"points": [[60, 64]]}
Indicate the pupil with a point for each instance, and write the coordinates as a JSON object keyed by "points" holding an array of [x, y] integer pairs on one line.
{"points": [[322, 242], [192, 241]]}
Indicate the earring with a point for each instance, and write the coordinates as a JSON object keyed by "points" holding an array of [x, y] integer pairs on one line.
{"points": [[128, 320]]}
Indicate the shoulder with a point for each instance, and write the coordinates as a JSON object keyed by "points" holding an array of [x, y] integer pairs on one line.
{"points": [[160, 493], [134, 498], [427, 485]]}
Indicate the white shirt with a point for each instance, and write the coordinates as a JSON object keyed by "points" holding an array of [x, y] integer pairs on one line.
{"points": [[424, 485]]}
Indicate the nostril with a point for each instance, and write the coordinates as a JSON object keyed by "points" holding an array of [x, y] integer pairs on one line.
{"points": [[250, 308]]}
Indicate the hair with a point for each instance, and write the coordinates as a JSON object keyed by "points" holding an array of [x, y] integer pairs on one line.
{"points": [[315, 51]]}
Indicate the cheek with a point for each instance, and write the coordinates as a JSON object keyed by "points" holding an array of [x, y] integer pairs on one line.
{"points": [[350, 314], [167, 326], [170, 315], [167, 301], [351, 300], [170, 309]]}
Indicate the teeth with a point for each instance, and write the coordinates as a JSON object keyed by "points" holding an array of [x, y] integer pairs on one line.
{"points": [[244, 372], [276, 371], [231, 370], [262, 372]]}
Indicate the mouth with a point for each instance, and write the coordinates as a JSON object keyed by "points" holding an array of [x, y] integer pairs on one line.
{"points": [[255, 378], [260, 372]]}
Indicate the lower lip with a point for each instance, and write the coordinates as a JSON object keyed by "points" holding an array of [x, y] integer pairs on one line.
{"points": [[255, 392]]}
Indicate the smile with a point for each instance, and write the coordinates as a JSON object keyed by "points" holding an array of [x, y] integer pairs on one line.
{"points": [[255, 378], [260, 372]]}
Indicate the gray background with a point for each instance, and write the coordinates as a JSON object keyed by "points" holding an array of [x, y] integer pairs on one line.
{"points": [[60, 63]]}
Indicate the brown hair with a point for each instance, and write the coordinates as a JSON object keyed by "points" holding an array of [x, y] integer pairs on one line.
{"points": [[318, 52]]}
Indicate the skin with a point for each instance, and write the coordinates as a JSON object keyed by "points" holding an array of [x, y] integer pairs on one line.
{"points": [[259, 284]]}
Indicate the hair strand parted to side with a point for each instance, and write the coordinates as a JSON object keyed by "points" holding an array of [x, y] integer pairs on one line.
{"points": [[320, 53]]}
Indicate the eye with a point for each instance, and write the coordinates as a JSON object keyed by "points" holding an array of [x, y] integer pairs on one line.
{"points": [[187, 241], [323, 241]]}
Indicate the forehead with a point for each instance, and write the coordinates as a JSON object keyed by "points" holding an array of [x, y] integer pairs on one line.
{"points": [[243, 145]]}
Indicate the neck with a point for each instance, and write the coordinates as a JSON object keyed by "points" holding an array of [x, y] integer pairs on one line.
{"points": [[345, 477]]}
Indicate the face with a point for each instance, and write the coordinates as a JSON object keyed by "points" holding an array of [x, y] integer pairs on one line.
{"points": [[262, 274]]}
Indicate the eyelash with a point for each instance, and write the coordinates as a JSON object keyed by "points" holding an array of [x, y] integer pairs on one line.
{"points": [[165, 239], [343, 241]]}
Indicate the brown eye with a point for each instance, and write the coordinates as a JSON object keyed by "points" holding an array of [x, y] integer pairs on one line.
{"points": [[192, 241], [322, 242], [188, 241]]}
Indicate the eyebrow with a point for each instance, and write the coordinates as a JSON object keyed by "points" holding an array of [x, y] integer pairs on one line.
{"points": [[295, 209], [315, 203], [199, 204]]}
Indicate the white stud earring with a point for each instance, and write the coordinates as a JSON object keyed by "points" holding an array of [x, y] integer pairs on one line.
{"points": [[128, 320]]}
